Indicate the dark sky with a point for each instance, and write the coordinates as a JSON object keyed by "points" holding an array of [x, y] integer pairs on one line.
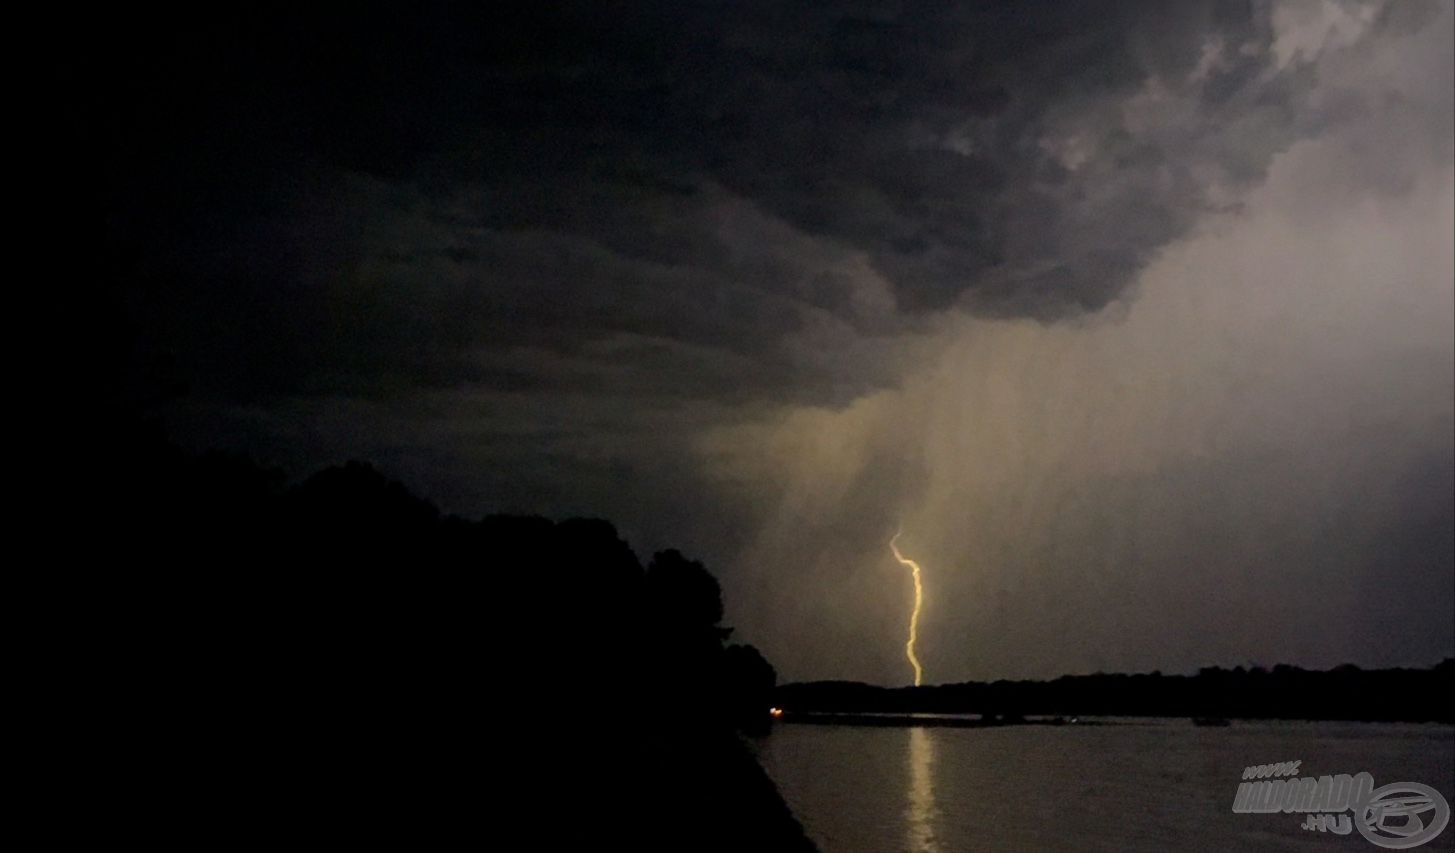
{"points": [[1136, 316]]}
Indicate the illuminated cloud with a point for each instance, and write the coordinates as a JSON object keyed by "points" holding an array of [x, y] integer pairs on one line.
{"points": [[1138, 317]]}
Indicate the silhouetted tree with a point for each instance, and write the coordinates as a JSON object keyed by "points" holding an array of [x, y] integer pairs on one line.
{"points": [[749, 682], [337, 655]]}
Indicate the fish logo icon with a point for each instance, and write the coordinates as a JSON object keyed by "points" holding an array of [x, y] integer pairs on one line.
{"points": [[1393, 816]]}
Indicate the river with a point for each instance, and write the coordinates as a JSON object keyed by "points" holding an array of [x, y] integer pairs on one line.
{"points": [[1128, 786]]}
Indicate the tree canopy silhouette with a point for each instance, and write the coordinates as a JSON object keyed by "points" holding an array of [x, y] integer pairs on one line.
{"points": [[341, 655]]}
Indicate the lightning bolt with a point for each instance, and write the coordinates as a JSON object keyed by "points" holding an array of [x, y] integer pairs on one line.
{"points": [[919, 597]]}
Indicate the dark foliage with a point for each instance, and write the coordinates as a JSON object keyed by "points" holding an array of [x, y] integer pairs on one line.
{"points": [[336, 660], [1282, 693]]}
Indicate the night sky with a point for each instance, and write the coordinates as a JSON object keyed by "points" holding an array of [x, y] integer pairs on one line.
{"points": [[1136, 316]]}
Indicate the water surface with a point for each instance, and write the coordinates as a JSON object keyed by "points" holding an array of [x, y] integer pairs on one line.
{"points": [[1150, 785]]}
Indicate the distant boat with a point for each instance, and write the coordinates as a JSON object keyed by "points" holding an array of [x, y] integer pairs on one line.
{"points": [[1211, 721]]}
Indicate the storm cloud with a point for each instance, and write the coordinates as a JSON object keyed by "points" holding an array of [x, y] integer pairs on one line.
{"points": [[417, 200], [1073, 291]]}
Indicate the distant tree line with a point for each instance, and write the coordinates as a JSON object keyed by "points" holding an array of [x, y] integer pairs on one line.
{"points": [[1281, 693], [336, 659]]}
